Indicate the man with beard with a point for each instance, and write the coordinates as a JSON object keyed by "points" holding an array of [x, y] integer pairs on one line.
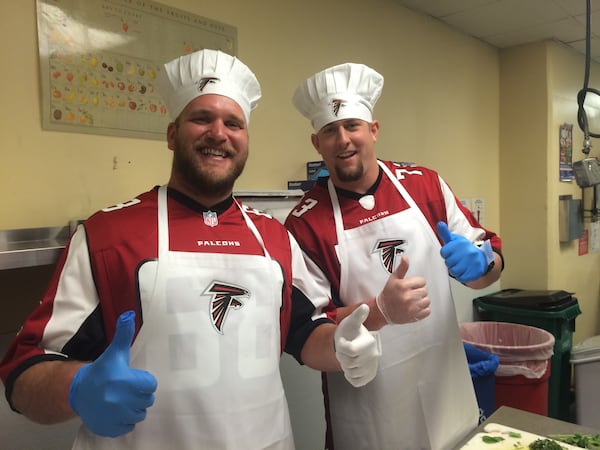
{"points": [[165, 320], [373, 225]]}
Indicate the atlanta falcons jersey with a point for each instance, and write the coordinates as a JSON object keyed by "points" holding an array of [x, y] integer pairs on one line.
{"points": [[312, 223], [96, 277]]}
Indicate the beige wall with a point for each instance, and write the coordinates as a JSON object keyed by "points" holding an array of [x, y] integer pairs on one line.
{"points": [[523, 161], [539, 86], [438, 83]]}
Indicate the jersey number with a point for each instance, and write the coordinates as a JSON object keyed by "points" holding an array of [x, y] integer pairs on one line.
{"points": [[135, 201], [308, 204], [401, 172]]}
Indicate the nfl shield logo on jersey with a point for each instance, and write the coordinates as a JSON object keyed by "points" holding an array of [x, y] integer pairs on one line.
{"points": [[210, 218]]}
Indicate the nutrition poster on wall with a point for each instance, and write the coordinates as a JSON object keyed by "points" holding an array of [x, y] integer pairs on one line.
{"points": [[99, 60]]}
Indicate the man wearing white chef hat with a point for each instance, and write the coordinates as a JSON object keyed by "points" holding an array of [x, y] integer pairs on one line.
{"points": [[205, 294], [374, 228]]}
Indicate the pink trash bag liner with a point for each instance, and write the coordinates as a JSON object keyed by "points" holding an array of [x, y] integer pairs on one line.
{"points": [[522, 349]]}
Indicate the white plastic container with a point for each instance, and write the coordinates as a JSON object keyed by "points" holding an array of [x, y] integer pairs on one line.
{"points": [[585, 358]]}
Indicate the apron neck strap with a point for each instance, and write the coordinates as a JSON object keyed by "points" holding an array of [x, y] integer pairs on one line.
{"points": [[337, 212], [253, 228], [398, 185], [163, 225]]}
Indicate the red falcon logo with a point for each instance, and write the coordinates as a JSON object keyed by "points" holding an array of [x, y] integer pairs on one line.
{"points": [[388, 249], [224, 298], [336, 105], [206, 80]]}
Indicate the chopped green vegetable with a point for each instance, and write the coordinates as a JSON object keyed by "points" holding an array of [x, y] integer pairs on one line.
{"points": [[589, 441], [491, 439], [487, 439], [545, 444]]}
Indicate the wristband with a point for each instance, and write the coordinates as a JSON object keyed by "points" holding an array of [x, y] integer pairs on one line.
{"points": [[486, 248]]}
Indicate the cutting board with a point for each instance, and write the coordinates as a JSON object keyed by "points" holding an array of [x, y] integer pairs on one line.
{"points": [[510, 442]]}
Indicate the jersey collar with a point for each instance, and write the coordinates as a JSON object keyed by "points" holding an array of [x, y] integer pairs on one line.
{"points": [[194, 205], [322, 181]]}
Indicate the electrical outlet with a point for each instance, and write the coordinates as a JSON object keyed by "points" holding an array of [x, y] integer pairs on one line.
{"points": [[479, 210]]}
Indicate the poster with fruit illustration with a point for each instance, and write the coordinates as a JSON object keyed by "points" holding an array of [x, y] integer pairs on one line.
{"points": [[99, 60]]}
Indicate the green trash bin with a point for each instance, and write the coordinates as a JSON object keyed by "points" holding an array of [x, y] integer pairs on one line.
{"points": [[553, 311]]}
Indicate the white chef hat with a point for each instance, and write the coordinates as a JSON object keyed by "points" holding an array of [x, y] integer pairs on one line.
{"points": [[345, 91], [207, 72]]}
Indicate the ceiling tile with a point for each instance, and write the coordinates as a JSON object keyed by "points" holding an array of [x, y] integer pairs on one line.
{"points": [[594, 22], [439, 9], [594, 47], [506, 23], [505, 16], [564, 30], [577, 7]]}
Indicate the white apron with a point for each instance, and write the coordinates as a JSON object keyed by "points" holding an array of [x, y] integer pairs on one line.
{"points": [[422, 396], [211, 337]]}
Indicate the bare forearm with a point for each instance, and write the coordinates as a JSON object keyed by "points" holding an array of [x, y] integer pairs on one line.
{"points": [[41, 393], [318, 351], [375, 321]]}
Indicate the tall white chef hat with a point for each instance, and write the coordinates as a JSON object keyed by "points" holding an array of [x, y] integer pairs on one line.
{"points": [[207, 72], [345, 91]]}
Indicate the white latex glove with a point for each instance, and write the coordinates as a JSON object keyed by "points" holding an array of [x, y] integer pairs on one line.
{"points": [[403, 300], [356, 349]]}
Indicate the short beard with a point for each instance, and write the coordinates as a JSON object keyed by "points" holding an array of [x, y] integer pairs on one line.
{"points": [[350, 176], [200, 179]]}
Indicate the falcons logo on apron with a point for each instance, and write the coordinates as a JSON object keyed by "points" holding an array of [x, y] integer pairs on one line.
{"points": [[224, 298], [388, 249]]}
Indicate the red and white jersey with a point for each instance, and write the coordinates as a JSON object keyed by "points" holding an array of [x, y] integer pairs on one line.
{"points": [[312, 222], [96, 277]]}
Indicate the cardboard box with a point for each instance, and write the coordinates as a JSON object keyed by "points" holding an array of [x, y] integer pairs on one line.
{"points": [[315, 169], [304, 185]]}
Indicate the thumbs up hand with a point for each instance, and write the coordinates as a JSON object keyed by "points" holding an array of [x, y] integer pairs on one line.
{"points": [[356, 349], [403, 300], [465, 261], [108, 395]]}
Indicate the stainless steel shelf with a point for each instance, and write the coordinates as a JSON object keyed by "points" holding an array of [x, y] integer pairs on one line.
{"points": [[30, 247]]}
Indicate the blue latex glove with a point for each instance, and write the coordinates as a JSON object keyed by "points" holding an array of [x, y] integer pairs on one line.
{"points": [[465, 261], [108, 395]]}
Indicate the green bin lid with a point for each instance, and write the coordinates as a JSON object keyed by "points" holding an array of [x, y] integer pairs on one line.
{"points": [[530, 299]]}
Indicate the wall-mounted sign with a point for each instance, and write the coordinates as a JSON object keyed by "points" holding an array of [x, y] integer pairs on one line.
{"points": [[565, 139], [99, 60], [583, 247]]}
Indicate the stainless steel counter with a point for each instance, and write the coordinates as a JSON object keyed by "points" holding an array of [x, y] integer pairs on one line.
{"points": [[30, 247], [532, 423]]}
